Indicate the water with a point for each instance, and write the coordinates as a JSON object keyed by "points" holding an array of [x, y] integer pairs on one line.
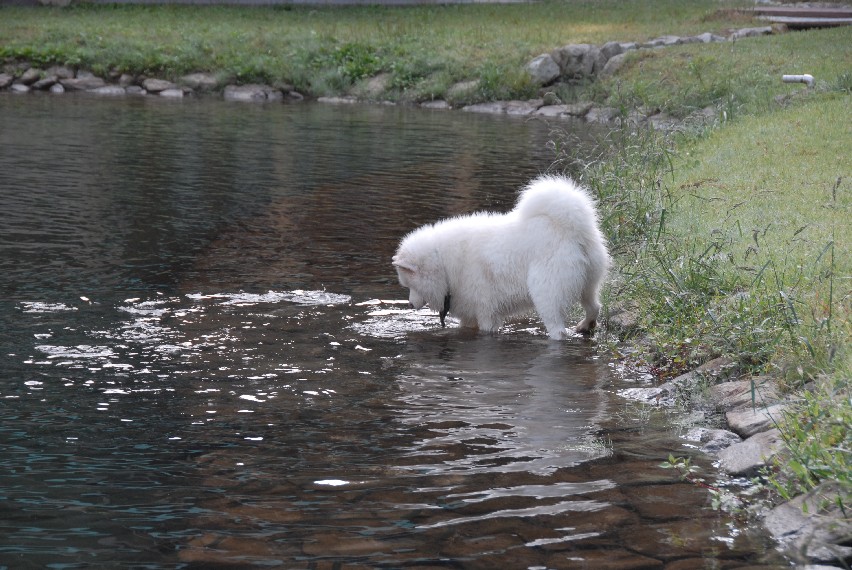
{"points": [[206, 362]]}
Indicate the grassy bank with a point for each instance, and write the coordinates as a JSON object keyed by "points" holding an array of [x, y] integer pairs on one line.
{"points": [[732, 240], [328, 51]]}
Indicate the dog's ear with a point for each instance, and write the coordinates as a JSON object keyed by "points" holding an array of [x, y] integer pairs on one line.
{"points": [[404, 265]]}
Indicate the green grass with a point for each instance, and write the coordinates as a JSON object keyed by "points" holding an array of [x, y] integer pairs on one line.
{"points": [[325, 51]]}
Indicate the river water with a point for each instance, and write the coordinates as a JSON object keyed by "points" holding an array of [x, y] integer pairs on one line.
{"points": [[207, 361]]}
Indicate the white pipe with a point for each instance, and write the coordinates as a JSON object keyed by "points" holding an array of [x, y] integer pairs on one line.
{"points": [[806, 78]]}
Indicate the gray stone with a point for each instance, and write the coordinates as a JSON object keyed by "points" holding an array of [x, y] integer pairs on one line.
{"points": [[174, 93], [522, 108], [85, 83], [438, 104], [60, 71], [30, 76], [751, 32], [713, 440], [602, 115], [750, 421], [757, 391], [200, 81], [812, 527], [662, 395], [554, 111], [579, 60], [494, 107], [57, 88], [19, 88], [708, 37], [110, 90], [748, 457], [543, 69], [462, 88], [126, 80], [613, 65], [153, 85], [337, 100], [612, 49], [629, 46], [5, 80], [45, 83], [250, 93], [135, 90]]}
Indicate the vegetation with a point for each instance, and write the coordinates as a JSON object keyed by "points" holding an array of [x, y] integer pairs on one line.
{"points": [[732, 234]]}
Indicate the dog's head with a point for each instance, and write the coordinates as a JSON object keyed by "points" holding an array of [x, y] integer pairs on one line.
{"points": [[410, 278]]}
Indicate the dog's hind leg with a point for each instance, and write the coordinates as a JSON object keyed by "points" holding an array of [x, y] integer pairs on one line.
{"points": [[592, 306]]}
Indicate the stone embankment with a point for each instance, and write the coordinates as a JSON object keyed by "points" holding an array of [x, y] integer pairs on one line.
{"points": [[570, 63], [811, 529]]}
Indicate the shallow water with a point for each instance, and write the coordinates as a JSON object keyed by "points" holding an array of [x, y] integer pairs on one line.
{"points": [[207, 363]]}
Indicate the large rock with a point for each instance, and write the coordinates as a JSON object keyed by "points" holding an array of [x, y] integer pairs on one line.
{"points": [[250, 93], [577, 61], [30, 76], [544, 69], [200, 81], [153, 85], [812, 527], [750, 421], [5, 80], [757, 391], [748, 457], [85, 82]]}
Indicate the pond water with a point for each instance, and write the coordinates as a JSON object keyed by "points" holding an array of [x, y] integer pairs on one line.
{"points": [[207, 363]]}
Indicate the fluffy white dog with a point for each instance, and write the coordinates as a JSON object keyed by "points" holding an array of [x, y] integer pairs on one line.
{"points": [[546, 254]]}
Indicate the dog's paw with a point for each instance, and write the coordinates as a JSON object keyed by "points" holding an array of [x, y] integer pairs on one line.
{"points": [[586, 328]]}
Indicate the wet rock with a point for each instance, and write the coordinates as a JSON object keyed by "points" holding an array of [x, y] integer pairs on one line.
{"points": [[543, 69], [135, 90], [613, 560], [200, 81], [341, 544], [490, 107], [338, 100], [663, 502], [109, 90], [713, 440], [175, 93], [153, 85], [83, 82], [439, 104], [57, 88], [20, 88], [6, 80], [748, 457], [750, 421], [812, 527], [251, 93]]}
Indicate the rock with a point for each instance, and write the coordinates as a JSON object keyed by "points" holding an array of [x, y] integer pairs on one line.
{"points": [[708, 37], [337, 100], [663, 122], [522, 108], [374, 87], [738, 394], [628, 46], [602, 115], [713, 440], [662, 395], [438, 104], [747, 457], [153, 85], [490, 107], [751, 32], [84, 83], [612, 65], [110, 90], [57, 88], [294, 96], [19, 88], [612, 49], [543, 69], [126, 80], [60, 71], [135, 90], [45, 83], [30, 76], [462, 89], [812, 527], [200, 81], [251, 92], [174, 93], [6, 80], [577, 61], [750, 421]]}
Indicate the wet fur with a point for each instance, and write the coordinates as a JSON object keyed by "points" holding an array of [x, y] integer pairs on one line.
{"points": [[545, 255]]}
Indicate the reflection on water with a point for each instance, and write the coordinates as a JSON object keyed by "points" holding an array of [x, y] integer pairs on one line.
{"points": [[207, 362]]}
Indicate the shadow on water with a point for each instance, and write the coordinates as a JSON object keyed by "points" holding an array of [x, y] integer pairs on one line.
{"points": [[206, 363]]}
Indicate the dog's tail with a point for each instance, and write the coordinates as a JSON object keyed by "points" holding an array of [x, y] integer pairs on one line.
{"points": [[562, 200]]}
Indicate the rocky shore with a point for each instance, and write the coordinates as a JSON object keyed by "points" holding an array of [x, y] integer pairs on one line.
{"points": [[570, 63]]}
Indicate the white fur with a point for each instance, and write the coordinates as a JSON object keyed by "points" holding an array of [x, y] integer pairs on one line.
{"points": [[546, 254]]}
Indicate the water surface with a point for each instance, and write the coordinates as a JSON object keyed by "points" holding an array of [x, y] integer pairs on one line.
{"points": [[207, 363]]}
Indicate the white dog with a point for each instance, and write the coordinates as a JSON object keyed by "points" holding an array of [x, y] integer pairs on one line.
{"points": [[546, 254]]}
